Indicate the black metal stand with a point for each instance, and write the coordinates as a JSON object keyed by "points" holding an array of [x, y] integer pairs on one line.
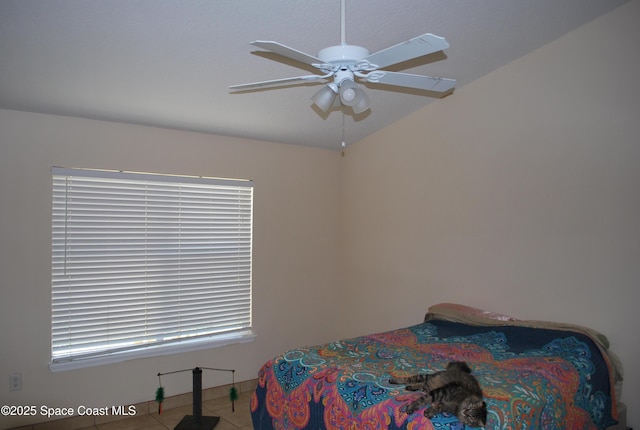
{"points": [[197, 421]]}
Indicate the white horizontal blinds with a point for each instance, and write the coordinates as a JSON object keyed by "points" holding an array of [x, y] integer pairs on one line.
{"points": [[141, 260]]}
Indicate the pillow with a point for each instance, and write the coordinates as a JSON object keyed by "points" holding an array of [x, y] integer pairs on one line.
{"points": [[462, 311]]}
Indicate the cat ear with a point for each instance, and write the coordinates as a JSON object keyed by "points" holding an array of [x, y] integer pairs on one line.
{"points": [[479, 404]]}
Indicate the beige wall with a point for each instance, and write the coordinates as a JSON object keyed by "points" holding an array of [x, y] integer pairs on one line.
{"points": [[520, 194], [295, 250]]}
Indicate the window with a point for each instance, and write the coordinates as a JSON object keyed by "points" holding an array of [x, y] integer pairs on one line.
{"points": [[146, 264]]}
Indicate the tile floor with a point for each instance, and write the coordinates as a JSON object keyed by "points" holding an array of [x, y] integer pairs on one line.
{"points": [[176, 408], [221, 407]]}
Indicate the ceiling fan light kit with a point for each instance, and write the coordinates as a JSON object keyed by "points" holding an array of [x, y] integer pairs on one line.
{"points": [[325, 97], [363, 103], [344, 63], [352, 95]]}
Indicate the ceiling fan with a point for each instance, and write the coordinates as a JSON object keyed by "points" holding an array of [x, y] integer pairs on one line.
{"points": [[344, 63]]}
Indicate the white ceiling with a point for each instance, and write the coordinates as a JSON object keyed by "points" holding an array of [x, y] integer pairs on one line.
{"points": [[168, 63]]}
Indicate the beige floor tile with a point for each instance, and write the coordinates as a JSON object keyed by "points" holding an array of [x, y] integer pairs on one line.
{"points": [[240, 419], [140, 422], [225, 425], [171, 417], [66, 423], [219, 403], [242, 415]]}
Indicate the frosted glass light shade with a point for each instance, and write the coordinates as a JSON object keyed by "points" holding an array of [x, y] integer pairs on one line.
{"points": [[324, 98], [363, 104], [350, 93]]}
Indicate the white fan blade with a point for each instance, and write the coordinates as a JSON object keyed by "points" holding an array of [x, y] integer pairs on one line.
{"points": [[285, 51], [278, 82], [417, 47], [420, 82]]}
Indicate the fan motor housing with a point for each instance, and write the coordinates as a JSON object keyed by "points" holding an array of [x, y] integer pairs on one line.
{"points": [[343, 54]]}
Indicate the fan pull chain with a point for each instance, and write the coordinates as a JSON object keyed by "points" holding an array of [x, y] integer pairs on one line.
{"points": [[343, 145]]}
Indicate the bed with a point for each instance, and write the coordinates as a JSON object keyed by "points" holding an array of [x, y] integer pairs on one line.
{"points": [[534, 375]]}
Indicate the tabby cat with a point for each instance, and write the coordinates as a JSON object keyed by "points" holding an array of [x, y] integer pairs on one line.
{"points": [[453, 390]]}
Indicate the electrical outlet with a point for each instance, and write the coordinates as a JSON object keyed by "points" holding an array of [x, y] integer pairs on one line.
{"points": [[15, 382]]}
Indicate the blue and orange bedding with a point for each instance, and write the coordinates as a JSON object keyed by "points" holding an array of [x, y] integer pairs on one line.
{"points": [[533, 378]]}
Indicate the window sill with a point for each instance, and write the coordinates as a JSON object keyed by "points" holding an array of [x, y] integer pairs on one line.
{"points": [[153, 351]]}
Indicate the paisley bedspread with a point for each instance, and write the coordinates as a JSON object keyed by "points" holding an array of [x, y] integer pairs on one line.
{"points": [[532, 379]]}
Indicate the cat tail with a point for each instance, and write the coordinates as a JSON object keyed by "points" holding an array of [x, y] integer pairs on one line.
{"points": [[460, 365], [398, 380], [414, 379]]}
